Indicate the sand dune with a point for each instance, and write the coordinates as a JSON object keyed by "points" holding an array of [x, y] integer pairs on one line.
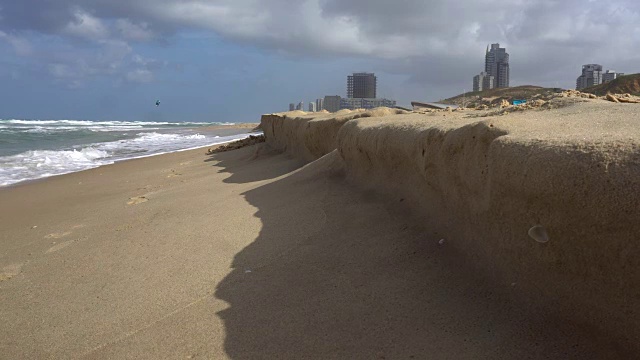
{"points": [[351, 245], [574, 171]]}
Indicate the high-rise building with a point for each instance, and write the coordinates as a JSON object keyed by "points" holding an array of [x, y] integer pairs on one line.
{"points": [[292, 106], [332, 103], [591, 76], [319, 104], [300, 106], [496, 64], [483, 81], [312, 106], [361, 85], [610, 75]]}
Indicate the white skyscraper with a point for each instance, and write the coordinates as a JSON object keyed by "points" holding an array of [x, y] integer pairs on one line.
{"points": [[312, 106]]}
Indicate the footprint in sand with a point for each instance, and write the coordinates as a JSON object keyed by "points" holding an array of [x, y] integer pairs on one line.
{"points": [[174, 173], [60, 246], [63, 234], [137, 200], [57, 235], [10, 271]]}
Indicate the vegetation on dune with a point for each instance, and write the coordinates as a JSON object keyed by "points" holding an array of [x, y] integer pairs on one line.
{"points": [[627, 84]]}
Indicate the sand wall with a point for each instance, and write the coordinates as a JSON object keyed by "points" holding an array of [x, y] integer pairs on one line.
{"points": [[310, 136], [481, 185]]}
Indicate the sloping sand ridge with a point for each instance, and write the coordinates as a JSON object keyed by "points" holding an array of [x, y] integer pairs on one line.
{"points": [[575, 171]]}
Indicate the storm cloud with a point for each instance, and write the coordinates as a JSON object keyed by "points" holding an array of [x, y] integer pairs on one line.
{"points": [[429, 43]]}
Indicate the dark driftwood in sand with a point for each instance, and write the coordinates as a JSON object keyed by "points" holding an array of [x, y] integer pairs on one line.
{"points": [[251, 140]]}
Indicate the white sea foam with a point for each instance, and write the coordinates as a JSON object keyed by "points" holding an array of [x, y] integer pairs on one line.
{"points": [[37, 164], [62, 126]]}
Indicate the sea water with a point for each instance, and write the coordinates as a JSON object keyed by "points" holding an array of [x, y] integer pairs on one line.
{"points": [[36, 149]]}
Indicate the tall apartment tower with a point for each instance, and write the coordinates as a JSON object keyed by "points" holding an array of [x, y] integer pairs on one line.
{"points": [[319, 104], [361, 85], [496, 64], [292, 106], [591, 75], [312, 106], [483, 81]]}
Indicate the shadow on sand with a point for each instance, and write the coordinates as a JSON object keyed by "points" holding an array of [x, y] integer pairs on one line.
{"points": [[235, 163], [336, 274]]}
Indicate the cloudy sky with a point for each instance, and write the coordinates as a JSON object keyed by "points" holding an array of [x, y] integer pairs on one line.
{"points": [[231, 60]]}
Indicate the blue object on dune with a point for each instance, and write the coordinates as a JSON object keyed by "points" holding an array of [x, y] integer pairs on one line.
{"points": [[519, 102]]}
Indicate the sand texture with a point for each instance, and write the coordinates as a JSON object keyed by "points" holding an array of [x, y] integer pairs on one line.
{"points": [[393, 244], [486, 181]]}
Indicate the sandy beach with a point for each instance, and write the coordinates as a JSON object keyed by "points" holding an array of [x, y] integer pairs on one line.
{"points": [[251, 254]]}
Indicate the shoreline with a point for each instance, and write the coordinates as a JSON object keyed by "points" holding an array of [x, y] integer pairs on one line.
{"points": [[232, 128]]}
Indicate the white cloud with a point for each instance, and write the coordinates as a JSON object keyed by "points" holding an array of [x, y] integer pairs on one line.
{"points": [[86, 26], [433, 40], [61, 70], [372, 28], [139, 76], [76, 67], [21, 46], [136, 32]]}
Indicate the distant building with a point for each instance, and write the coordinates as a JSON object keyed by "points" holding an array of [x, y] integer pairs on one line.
{"points": [[292, 106], [361, 85], [496, 64], [591, 76], [319, 104], [483, 81], [355, 103], [477, 81], [332, 103], [610, 75], [300, 106], [312, 106]]}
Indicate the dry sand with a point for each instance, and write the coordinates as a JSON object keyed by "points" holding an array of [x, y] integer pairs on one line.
{"points": [[249, 255], [484, 182]]}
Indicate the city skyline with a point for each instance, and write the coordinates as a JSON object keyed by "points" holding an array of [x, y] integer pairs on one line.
{"points": [[361, 92], [111, 60], [496, 69], [592, 75]]}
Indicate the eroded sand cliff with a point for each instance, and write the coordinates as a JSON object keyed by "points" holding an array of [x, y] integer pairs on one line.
{"points": [[484, 182]]}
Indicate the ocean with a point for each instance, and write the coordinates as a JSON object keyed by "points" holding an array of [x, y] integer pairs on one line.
{"points": [[36, 149]]}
